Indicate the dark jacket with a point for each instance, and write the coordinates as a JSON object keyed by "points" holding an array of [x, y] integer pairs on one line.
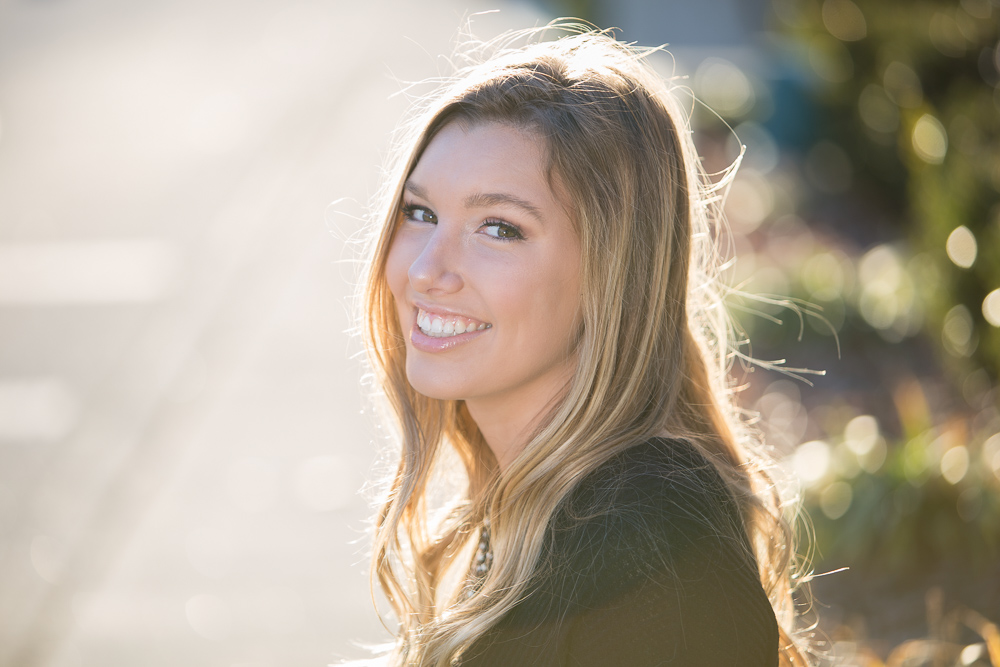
{"points": [[646, 564]]}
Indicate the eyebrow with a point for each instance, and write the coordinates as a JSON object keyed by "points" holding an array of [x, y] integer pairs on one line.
{"points": [[484, 199], [410, 186]]}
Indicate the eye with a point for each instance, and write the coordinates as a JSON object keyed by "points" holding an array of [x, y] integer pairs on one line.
{"points": [[419, 214], [502, 230]]}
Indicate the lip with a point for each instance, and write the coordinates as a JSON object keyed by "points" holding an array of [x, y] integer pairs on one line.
{"points": [[425, 343]]}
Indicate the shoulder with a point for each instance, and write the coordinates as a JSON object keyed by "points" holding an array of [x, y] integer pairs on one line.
{"points": [[647, 563], [657, 512], [655, 468], [661, 497]]}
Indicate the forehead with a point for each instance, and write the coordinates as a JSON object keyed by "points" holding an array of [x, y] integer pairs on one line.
{"points": [[487, 157]]}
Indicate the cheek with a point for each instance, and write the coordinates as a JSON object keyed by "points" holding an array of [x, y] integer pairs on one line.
{"points": [[551, 294], [563, 298], [397, 266]]}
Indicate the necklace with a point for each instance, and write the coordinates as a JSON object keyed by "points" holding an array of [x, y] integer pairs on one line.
{"points": [[484, 554], [480, 563]]}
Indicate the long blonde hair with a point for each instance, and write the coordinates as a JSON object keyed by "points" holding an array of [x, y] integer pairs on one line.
{"points": [[653, 351]]}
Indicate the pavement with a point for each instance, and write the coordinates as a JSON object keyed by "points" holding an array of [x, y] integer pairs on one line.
{"points": [[187, 451]]}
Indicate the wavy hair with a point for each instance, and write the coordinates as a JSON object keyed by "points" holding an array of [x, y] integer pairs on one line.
{"points": [[653, 353]]}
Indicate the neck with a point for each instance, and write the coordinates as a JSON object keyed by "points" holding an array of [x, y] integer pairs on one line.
{"points": [[507, 422]]}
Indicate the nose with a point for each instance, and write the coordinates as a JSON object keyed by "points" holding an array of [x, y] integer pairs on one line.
{"points": [[435, 270]]}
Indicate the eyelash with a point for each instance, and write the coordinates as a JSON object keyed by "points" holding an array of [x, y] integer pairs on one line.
{"points": [[499, 225], [410, 209]]}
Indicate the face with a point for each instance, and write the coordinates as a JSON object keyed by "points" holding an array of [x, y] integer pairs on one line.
{"points": [[485, 271]]}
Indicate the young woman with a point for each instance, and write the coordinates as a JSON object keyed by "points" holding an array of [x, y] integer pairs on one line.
{"points": [[540, 301]]}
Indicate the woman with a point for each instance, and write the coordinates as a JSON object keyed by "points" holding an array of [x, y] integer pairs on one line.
{"points": [[540, 301]]}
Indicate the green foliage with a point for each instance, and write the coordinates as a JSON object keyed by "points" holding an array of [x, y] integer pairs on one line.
{"points": [[910, 90], [934, 503]]}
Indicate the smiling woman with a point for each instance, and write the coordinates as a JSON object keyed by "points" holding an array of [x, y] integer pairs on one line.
{"points": [[485, 272], [541, 300]]}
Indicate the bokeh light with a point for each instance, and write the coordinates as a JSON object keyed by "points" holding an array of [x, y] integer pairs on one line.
{"points": [[958, 331], [724, 87], [888, 296], [991, 307], [991, 453], [811, 461], [930, 140], [961, 247], [749, 202], [946, 35], [902, 85], [955, 464], [844, 20], [836, 499], [827, 275]]}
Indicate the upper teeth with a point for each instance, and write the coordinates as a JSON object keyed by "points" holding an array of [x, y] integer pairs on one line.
{"points": [[437, 326]]}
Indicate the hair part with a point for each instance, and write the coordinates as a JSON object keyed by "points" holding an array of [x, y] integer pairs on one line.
{"points": [[652, 353]]}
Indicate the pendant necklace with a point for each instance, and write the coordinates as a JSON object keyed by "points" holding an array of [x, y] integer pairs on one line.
{"points": [[484, 555], [480, 563]]}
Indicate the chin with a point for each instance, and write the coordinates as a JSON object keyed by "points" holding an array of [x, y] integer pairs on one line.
{"points": [[431, 392], [437, 388]]}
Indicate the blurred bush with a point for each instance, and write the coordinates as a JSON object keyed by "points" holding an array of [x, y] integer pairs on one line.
{"points": [[869, 194], [901, 190], [907, 99]]}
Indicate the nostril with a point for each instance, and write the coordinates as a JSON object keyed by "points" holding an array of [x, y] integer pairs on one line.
{"points": [[431, 273]]}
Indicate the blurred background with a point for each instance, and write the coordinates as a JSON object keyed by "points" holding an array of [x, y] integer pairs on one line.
{"points": [[184, 440]]}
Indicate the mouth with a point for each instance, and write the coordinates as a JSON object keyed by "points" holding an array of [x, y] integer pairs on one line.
{"points": [[437, 325]]}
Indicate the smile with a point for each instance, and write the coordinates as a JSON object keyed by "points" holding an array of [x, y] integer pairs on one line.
{"points": [[446, 326]]}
